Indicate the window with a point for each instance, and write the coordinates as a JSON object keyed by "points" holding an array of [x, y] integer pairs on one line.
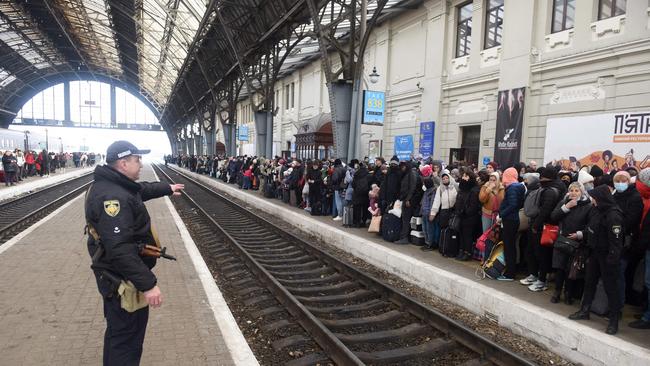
{"points": [[611, 8], [293, 95], [564, 12], [464, 30], [493, 23], [286, 96]]}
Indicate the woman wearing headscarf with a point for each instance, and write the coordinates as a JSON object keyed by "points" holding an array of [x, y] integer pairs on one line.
{"points": [[360, 200], [467, 208], [315, 181], [444, 201], [572, 214], [491, 196]]}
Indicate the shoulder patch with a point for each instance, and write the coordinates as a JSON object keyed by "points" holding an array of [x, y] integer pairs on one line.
{"points": [[112, 207], [616, 229]]}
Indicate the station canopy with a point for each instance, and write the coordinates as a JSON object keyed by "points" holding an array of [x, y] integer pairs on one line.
{"points": [[174, 53]]}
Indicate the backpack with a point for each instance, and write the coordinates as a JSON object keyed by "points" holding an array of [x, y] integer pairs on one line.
{"points": [[391, 227], [495, 265], [532, 202]]}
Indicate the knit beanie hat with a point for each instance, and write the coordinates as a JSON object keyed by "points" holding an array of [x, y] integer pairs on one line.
{"points": [[623, 173], [596, 171], [584, 177], [510, 176], [426, 170], [548, 174], [394, 160]]}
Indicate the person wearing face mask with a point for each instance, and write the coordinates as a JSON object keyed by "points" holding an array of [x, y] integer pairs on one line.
{"points": [[572, 215], [565, 177], [429, 226], [443, 202], [360, 199], [629, 201], [491, 194], [467, 207], [605, 239]]}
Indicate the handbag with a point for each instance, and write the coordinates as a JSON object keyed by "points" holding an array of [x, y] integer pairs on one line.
{"points": [[491, 234], [566, 245], [549, 235], [578, 264], [375, 224]]}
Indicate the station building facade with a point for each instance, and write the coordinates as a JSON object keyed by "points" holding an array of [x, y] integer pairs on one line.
{"points": [[460, 64]]}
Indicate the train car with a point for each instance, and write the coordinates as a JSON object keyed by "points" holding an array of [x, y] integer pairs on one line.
{"points": [[27, 140]]}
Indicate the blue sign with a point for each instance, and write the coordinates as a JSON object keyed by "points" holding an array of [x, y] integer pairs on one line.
{"points": [[242, 134], [486, 160], [373, 107], [427, 133], [404, 147]]}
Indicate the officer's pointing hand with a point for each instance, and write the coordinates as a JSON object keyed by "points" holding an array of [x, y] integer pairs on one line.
{"points": [[177, 188]]}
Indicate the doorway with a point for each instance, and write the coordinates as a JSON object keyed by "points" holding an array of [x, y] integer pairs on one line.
{"points": [[468, 152]]}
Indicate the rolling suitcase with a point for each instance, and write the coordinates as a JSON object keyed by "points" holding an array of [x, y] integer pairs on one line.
{"points": [[448, 243], [391, 226], [316, 209], [285, 195], [347, 216]]}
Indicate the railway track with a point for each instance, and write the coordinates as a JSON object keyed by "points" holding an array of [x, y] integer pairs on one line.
{"points": [[18, 214], [354, 318]]}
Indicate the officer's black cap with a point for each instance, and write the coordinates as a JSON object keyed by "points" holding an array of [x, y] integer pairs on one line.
{"points": [[122, 149]]}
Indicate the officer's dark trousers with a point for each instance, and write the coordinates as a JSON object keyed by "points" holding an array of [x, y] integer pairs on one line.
{"points": [[509, 237], [598, 267], [407, 213], [124, 334]]}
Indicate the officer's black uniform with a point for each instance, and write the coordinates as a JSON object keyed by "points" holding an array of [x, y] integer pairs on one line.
{"points": [[115, 209], [605, 240]]}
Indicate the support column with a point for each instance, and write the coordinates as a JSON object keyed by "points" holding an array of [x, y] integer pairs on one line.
{"points": [[66, 101], [113, 107], [268, 151], [261, 125]]}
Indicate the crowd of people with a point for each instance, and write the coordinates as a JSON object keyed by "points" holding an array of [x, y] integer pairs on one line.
{"points": [[576, 227], [18, 165]]}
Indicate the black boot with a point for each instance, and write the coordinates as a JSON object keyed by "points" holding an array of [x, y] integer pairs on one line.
{"points": [[612, 326], [567, 298], [582, 314], [556, 297]]}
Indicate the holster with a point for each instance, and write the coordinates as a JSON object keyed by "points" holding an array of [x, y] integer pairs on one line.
{"points": [[131, 299]]}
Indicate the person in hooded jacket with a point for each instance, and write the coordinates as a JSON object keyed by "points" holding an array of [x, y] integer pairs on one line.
{"points": [[428, 222], [467, 207], [390, 186], [572, 214], [338, 189], [490, 195], [315, 181], [410, 201], [552, 192], [360, 198], [642, 245], [605, 237], [513, 201], [629, 201]]}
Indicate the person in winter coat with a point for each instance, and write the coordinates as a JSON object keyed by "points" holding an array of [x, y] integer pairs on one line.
{"points": [[490, 195], [429, 226], [315, 181], [629, 201], [248, 176], [9, 166], [513, 201], [373, 205], [44, 162], [605, 239], [572, 215], [552, 191], [467, 207], [336, 183], [444, 201], [360, 199], [642, 185], [408, 184], [390, 187]]}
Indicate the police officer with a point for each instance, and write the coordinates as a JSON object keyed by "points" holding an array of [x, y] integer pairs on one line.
{"points": [[119, 225], [605, 237]]}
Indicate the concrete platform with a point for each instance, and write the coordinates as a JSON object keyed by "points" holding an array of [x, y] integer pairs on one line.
{"points": [[52, 314], [35, 183], [514, 306]]}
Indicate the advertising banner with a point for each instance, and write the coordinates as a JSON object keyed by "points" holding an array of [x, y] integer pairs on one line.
{"points": [[404, 147], [612, 141], [373, 107], [242, 134], [510, 120], [427, 134]]}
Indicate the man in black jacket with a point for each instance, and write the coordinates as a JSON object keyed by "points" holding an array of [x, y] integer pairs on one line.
{"points": [[390, 186], [553, 190], [605, 233], [406, 195], [119, 226]]}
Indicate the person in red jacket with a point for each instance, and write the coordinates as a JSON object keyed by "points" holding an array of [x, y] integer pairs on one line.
{"points": [[643, 186]]}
